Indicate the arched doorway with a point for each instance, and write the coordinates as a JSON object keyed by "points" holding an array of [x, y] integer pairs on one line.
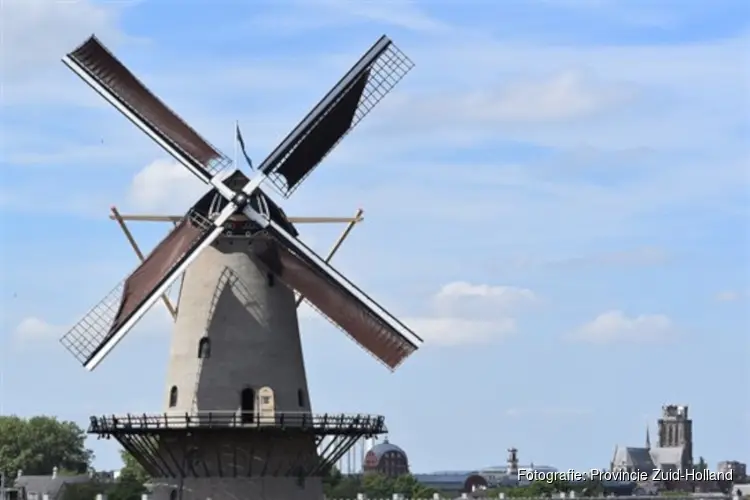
{"points": [[247, 405]]}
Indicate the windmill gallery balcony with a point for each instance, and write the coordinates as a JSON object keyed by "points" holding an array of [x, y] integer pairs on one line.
{"points": [[324, 424], [231, 445]]}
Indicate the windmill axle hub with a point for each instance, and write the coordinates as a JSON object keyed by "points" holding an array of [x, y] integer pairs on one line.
{"points": [[241, 200]]}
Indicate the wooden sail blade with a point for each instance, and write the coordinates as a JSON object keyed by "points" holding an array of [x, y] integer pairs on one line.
{"points": [[116, 215], [357, 217]]}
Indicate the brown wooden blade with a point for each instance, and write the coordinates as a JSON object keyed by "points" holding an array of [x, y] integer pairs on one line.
{"points": [[357, 218], [121, 221]]}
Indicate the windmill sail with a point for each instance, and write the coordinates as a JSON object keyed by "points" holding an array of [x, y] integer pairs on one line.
{"points": [[110, 78], [365, 321], [363, 87], [91, 339]]}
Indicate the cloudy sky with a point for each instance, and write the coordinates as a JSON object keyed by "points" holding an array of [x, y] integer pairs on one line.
{"points": [[556, 199]]}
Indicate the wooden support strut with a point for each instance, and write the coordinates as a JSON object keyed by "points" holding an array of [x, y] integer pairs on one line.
{"points": [[294, 220], [131, 240], [357, 218]]}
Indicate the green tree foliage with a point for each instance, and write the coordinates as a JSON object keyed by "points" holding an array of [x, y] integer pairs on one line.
{"points": [[122, 489], [542, 489], [126, 487], [83, 491], [336, 485], [408, 486], [130, 484], [35, 445], [131, 469], [377, 486]]}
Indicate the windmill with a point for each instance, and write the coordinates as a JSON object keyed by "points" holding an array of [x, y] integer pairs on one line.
{"points": [[238, 421]]}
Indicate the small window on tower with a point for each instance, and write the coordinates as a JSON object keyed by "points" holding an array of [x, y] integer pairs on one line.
{"points": [[270, 278], [173, 495], [301, 398], [204, 348], [173, 396]]}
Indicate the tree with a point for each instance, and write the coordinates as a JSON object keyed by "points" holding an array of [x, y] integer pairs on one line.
{"points": [[127, 488], [83, 491], [592, 488], [337, 485], [131, 469], [408, 486], [545, 489], [131, 483], [38, 444], [377, 486]]}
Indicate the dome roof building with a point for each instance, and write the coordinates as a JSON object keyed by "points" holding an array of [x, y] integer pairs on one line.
{"points": [[387, 459]]}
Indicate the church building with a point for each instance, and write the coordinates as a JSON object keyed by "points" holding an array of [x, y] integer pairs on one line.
{"points": [[673, 452]]}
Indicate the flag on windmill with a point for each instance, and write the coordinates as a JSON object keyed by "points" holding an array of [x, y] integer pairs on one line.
{"points": [[241, 142]]}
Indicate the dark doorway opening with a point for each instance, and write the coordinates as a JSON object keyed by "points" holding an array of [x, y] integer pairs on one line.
{"points": [[247, 405]]}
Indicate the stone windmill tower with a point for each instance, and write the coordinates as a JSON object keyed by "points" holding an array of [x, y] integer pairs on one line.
{"points": [[238, 420]]}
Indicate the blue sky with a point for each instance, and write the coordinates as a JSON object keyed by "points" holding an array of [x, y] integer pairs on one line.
{"points": [[556, 199]]}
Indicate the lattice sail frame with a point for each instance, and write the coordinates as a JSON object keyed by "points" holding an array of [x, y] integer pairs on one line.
{"points": [[350, 100], [85, 337], [383, 73]]}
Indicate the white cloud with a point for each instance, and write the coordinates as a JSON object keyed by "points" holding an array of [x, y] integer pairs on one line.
{"points": [[467, 313], [463, 313], [616, 326], [458, 295], [164, 186], [550, 98], [451, 331], [31, 63], [554, 87], [33, 329], [728, 296]]}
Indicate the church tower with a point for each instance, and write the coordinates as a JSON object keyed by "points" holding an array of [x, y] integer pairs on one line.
{"points": [[676, 429]]}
